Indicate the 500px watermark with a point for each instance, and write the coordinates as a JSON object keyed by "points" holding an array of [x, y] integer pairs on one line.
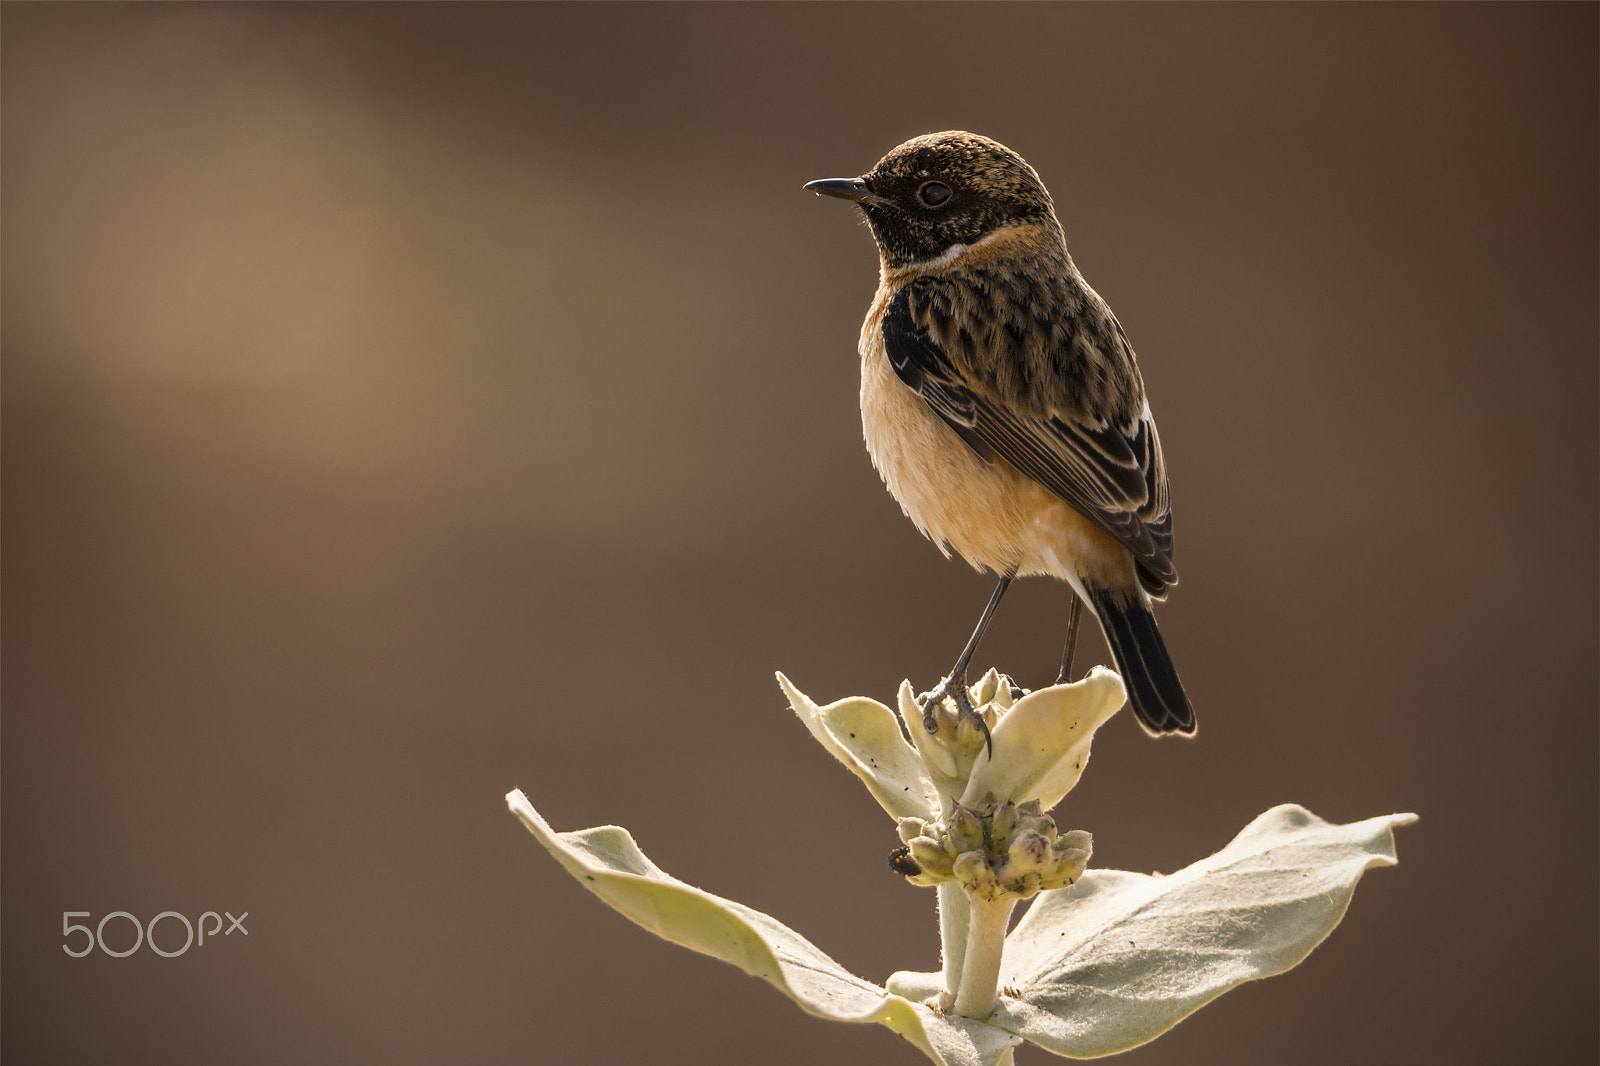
{"points": [[146, 934]]}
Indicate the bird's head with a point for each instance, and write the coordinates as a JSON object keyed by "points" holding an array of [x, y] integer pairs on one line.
{"points": [[941, 190]]}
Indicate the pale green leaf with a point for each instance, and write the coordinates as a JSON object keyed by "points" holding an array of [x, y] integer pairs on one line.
{"points": [[1041, 745], [607, 862], [947, 772], [865, 736], [1119, 958]]}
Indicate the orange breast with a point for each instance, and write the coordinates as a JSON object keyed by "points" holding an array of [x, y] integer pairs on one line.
{"points": [[990, 514]]}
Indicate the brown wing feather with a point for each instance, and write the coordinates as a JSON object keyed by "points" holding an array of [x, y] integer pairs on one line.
{"points": [[1039, 373]]}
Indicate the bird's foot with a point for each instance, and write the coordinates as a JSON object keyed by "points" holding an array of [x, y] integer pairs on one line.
{"points": [[953, 688]]}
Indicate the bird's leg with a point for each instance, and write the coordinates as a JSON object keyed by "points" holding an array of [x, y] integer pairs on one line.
{"points": [[955, 683], [1072, 641]]}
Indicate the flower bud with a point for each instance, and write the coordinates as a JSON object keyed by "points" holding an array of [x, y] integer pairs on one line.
{"points": [[1008, 693], [1003, 826], [968, 735], [1030, 851], [972, 870], [1071, 856], [910, 828], [986, 689], [966, 830], [933, 858], [995, 850], [1078, 839]]}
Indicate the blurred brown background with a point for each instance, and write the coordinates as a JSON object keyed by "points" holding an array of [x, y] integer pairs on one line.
{"points": [[407, 403]]}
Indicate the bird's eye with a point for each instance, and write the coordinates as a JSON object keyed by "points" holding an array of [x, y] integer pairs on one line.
{"points": [[933, 193]]}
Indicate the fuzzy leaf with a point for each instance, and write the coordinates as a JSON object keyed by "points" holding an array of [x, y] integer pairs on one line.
{"points": [[1120, 958], [1041, 745], [607, 862], [865, 736], [946, 772]]}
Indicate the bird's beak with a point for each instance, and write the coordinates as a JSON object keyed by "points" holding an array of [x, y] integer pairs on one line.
{"points": [[846, 189]]}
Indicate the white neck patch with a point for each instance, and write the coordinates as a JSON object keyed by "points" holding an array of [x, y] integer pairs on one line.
{"points": [[951, 254]]}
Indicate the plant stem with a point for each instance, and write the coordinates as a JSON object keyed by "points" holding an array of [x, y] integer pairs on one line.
{"points": [[954, 918], [980, 969]]}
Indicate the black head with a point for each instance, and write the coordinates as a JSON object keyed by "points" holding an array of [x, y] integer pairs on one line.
{"points": [[943, 189]]}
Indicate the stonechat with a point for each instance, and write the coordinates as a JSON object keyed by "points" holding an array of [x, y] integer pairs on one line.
{"points": [[1003, 407]]}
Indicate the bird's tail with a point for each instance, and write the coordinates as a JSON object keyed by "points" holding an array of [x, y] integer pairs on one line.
{"points": [[1152, 681]]}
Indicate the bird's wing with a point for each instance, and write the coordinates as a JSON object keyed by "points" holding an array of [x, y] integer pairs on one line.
{"points": [[1110, 469]]}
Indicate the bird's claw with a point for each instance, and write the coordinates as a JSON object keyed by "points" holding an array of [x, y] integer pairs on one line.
{"points": [[954, 689], [950, 688]]}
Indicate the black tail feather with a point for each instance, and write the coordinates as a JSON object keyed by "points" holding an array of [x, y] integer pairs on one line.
{"points": [[1153, 686]]}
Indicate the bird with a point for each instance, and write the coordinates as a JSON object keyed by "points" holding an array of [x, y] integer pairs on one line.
{"points": [[1004, 409]]}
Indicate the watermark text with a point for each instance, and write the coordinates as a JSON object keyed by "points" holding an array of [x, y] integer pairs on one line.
{"points": [[145, 935]]}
